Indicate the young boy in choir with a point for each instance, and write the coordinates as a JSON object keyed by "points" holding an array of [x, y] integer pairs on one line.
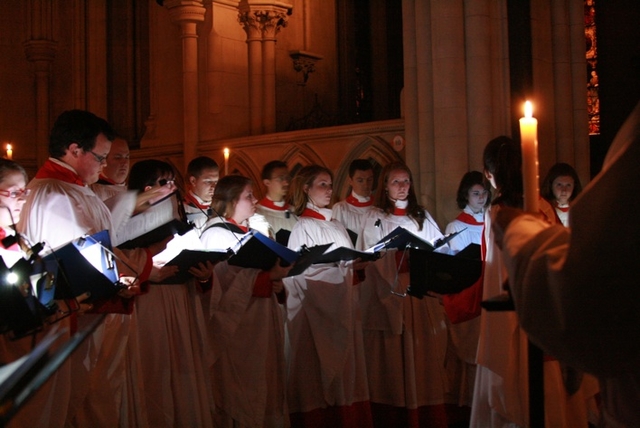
{"points": [[501, 387], [202, 176], [274, 206], [246, 324], [171, 329], [560, 187], [351, 211], [405, 337], [327, 382]]}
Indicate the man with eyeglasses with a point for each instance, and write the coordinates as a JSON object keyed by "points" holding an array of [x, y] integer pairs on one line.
{"points": [[62, 207], [113, 178], [274, 207], [202, 176]]}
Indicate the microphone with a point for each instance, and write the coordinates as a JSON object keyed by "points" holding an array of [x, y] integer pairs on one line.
{"points": [[287, 214], [378, 223]]}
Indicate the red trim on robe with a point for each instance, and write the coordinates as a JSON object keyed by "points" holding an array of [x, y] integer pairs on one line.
{"points": [[12, 247], [308, 212], [51, 169], [245, 229], [469, 219], [351, 200], [268, 203], [191, 200], [399, 211]]}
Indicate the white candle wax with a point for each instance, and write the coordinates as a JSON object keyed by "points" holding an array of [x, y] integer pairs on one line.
{"points": [[529, 142]]}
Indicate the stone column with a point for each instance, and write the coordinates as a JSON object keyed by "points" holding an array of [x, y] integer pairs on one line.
{"points": [[252, 27], [187, 14], [273, 20], [262, 22], [40, 49]]}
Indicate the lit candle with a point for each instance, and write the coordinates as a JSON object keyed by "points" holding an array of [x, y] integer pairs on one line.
{"points": [[529, 141], [226, 161], [9, 151]]}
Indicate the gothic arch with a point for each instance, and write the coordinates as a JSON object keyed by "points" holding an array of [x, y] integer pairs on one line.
{"points": [[300, 155]]}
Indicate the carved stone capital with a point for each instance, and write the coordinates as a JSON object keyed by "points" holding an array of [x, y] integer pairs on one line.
{"points": [[40, 50], [185, 11], [263, 20]]}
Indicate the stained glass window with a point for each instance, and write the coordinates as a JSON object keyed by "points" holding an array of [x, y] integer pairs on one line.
{"points": [[593, 102]]}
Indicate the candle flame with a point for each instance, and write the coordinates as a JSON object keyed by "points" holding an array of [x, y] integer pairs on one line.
{"points": [[9, 147], [226, 153], [528, 109]]}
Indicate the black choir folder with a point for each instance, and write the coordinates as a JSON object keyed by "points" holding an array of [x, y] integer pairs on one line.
{"points": [[443, 273], [254, 250], [401, 238], [84, 264], [188, 258]]}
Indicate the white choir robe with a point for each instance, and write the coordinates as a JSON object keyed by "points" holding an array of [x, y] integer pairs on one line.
{"points": [[173, 345], [405, 337], [472, 233], [90, 385], [277, 219], [247, 344], [501, 390], [350, 215], [325, 349]]}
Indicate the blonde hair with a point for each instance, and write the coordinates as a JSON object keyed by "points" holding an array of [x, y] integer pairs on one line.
{"points": [[301, 183]]}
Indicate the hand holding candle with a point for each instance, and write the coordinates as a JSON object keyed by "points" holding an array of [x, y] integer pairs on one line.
{"points": [[529, 143]]}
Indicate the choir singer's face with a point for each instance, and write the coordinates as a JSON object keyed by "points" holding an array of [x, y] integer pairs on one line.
{"points": [[245, 206], [11, 207], [398, 185], [320, 191], [90, 162], [477, 198], [562, 189]]}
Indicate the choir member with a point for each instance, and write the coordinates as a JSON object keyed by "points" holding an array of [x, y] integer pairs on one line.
{"points": [[327, 382], [246, 320], [60, 208], [352, 210], [560, 187], [274, 206], [171, 331], [202, 176], [405, 337]]}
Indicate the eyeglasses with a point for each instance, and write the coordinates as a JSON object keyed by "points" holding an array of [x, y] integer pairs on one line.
{"points": [[99, 159], [15, 194], [164, 181]]}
